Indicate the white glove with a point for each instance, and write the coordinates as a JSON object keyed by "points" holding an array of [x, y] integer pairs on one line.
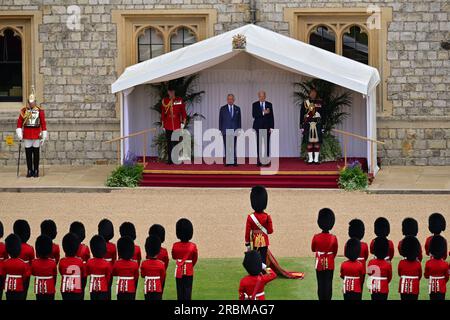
{"points": [[162, 128], [19, 134], [317, 115], [44, 136], [183, 125]]}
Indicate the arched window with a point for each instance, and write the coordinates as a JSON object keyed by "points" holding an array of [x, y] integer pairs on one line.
{"points": [[182, 37], [324, 38], [10, 66], [150, 44], [355, 44]]}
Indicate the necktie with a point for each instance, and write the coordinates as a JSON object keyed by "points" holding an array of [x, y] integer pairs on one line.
{"points": [[262, 106], [231, 111]]}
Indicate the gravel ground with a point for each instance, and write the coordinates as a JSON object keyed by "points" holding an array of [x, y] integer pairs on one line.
{"points": [[219, 214]]}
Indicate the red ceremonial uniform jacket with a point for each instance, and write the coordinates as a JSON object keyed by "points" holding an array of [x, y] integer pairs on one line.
{"points": [[73, 271], [99, 271], [16, 272], [127, 273], [410, 273], [420, 257], [32, 132], [427, 247], [27, 253], [111, 253], [259, 238], [154, 273], [325, 247], [44, 272], [137, 256], [173, 115], [83, 252], [437, 271], [363, 254], [55, 253], [352, 272], [3, 257], [252, 287], [162, 256], [380, 272], [185, 255], [391, 250]]}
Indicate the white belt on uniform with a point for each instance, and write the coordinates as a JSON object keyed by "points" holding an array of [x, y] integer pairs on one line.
{"points": [[125, 278], [247, 297], [431, 279], [152, 278], [8, 276], [320, 253], [108, 259], [43, 277], [349, 278]]}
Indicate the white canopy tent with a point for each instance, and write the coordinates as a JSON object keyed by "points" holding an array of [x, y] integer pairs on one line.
{"points": [[279, 51]]}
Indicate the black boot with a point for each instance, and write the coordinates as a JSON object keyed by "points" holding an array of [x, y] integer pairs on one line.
{"points": [[29, 157], [36, 162]]}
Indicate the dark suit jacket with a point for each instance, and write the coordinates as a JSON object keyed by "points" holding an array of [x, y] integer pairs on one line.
{"points": [[262, 121], [228, 122]]}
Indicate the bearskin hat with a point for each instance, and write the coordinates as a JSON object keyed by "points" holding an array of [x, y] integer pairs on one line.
{"points": [[49, 229], [410, 248], [78, 228], [98, 246], [106, 229], [127, 229], [70, 244], [258, 198], [352, 249], [184, 230], [356, 229], [1, 230], [410, 227], [125, 248], [44, 246], [13, 245], [22, 229], [438, 247], [159, 231], [436, 223], [326, 219], [381, 247], [382, 227], [252, 262], [152, 245]]}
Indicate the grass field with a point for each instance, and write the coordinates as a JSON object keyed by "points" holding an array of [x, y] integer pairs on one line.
{"points": [[218, 279]]}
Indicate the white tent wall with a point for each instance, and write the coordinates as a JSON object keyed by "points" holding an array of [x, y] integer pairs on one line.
{"points": [[243, 75]]}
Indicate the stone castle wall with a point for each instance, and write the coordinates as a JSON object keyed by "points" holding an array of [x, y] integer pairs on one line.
{"points": [[78, 68]]}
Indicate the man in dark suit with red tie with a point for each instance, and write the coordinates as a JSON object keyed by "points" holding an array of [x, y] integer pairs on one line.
{"points": [[262, 112]]}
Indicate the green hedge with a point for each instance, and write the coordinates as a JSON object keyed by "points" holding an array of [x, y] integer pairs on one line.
{"points": [[125, 176]]}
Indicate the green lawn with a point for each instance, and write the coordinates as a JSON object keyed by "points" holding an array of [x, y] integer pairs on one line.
{"points": [[219, 279]]}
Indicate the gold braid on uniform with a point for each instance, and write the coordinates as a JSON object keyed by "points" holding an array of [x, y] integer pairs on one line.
{"points": [[167, 106], [26, 114]]}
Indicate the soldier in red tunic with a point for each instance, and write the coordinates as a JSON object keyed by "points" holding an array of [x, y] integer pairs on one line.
{"points": [[185, 254], [173, 117], [127, 229], [106, 230], [325, 247], [352, 271], [410, 269], [356, 229], [126, 270], [251, 287], [44, 270], [98, 269], [72, 269], [22, 229], [153, 270], [410, 227], [3, 257], [159, 231], [16, 272], [259, 224], [436, 225], [32, 129], [379, 270], [49, 229], [382, 228], [437, 269], [83, 250]]}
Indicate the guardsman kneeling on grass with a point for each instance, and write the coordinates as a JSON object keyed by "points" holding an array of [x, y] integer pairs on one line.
{"points": [[185, 255], [44, 270], [325, 247], [252, 286], [437, 269], [153, 270]]}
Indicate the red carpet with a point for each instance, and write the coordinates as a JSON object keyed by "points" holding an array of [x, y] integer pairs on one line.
{"points": [[292, 173]]}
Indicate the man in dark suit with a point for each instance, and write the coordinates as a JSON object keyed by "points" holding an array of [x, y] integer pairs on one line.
{"points": [[229, 122], [262, 112]]}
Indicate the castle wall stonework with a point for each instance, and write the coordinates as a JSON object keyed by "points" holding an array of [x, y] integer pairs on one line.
{"points": [[78, 67]]}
